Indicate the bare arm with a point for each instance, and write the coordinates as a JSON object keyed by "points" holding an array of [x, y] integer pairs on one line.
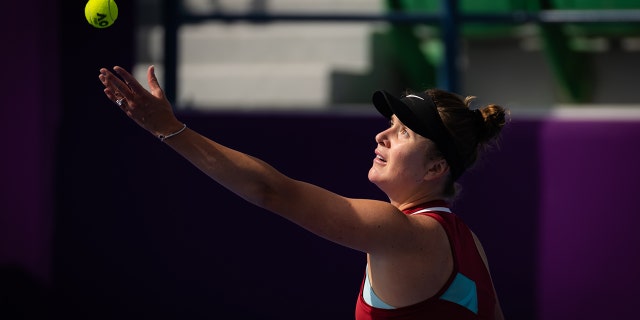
{"points": [[339, 219], [365, 225]]}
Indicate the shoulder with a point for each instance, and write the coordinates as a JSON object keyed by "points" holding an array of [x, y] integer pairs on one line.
{"points": [[424, 235], [428, 222], [431, 228], [388, 231], [418, 268]]}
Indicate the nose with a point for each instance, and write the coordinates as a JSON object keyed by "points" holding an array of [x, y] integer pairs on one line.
{"points": [[382, 138]]}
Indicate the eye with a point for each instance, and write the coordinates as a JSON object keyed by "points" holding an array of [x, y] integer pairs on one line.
{"points": [[404, 131]]}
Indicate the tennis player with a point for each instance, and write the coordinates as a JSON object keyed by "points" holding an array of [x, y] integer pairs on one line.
{"points": [[423, 262]]}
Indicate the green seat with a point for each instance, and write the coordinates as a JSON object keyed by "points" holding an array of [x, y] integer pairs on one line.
{"points": [[599, 29], [468, 7], [417, 58], [567, 52]]}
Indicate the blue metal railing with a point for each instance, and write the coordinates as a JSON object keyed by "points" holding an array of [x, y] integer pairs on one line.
{"points": [[449, 19]]}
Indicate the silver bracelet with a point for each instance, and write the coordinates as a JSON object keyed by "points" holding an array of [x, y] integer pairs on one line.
{"points": [[163, 137]]}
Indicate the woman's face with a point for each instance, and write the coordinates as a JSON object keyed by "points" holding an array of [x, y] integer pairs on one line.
{"points": [[401, 160]]}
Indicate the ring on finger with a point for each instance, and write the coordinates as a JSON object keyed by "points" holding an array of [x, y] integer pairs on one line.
{"points": [[119, 102]]}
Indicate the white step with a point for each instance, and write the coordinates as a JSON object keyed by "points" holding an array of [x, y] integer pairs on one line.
{"points": [[337, 44], [274, 65], [282, 65], [280, 6], [267, 86]]}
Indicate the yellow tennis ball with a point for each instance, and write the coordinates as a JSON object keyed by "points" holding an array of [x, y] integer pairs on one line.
{"points": [[101, 13]]}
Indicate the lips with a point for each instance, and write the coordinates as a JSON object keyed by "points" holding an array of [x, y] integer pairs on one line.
{"points": [[380, 158]]}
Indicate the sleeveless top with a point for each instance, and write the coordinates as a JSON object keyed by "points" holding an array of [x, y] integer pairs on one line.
{"points": [[467, 294]]}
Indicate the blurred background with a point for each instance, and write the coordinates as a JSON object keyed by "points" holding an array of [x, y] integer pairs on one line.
{"points": [[329, 54], [98, 220]]}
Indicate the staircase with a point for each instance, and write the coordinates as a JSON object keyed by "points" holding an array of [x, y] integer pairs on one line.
{"points": [[321, 65], [271, 65]]}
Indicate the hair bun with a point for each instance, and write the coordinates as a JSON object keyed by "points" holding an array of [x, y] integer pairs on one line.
{"points": [[494, 118]]}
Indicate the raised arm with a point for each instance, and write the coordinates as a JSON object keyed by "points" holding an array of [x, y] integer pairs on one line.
{"points": [[365, 225]]}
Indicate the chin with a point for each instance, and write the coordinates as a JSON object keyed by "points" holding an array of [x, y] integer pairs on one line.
{"points": [[372, 175], [374, 178]]}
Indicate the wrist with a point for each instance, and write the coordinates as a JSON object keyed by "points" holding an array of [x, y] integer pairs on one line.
{"points": [[174, 131]]}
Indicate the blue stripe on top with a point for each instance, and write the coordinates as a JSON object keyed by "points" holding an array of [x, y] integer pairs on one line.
{"points": [[370, 297], [462, 291]]}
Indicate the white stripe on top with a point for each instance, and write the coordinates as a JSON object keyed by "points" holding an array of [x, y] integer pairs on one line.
{"points": [[432, 209]]}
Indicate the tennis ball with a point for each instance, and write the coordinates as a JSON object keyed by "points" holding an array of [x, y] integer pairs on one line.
{"points": [[101, 13]]}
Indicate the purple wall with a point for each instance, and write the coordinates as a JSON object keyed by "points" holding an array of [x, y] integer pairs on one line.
{"points": [[500, 201], [165, 240], [29, 111], [163, 235], [589, 249]]}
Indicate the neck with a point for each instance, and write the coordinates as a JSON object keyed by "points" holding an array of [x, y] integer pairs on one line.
{"points": [[407, 196], [410, 203]]}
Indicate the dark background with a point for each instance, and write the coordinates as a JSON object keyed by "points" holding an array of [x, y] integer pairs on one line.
{"points": [[99, 220]]}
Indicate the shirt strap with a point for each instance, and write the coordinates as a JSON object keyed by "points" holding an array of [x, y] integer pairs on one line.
{"points": [[433, 209]]}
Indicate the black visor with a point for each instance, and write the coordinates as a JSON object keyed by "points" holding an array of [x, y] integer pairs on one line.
{"points": [[419, 113]]}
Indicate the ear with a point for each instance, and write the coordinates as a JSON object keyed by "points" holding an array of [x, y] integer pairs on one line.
{"points": [[437, 169]]}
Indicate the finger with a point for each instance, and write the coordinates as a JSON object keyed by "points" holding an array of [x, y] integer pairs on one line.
{"points": [[111, 81], [110, 94], [108, 78], [108, 90], [156, 90], [115, 98], [103, 78], [130, 81], [113, 95]]}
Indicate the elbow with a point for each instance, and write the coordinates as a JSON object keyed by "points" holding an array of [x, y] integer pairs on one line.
{"points": [[269, 196]]}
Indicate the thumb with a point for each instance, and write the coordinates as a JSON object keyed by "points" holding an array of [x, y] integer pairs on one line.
{"points": [[154, 86]]}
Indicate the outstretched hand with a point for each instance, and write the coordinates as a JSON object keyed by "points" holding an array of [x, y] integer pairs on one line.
{"points": [[148, 108]]}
